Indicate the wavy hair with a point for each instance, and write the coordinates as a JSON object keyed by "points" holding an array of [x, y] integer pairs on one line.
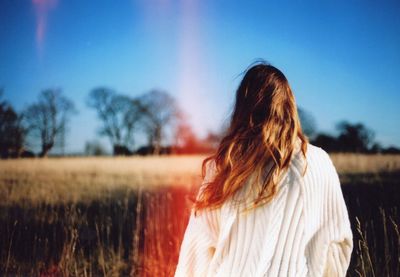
{"points": [[263, 132]]}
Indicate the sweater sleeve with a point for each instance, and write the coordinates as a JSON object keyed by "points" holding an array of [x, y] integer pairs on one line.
{"points": [[331, 246], [199, 240]]}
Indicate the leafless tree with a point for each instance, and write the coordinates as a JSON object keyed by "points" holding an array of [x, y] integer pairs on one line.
{"points": [[185, 140], [12, 133], [161, 112], [213, 139], [307, 122], [119, 115], [94, 148], [47, 119]]}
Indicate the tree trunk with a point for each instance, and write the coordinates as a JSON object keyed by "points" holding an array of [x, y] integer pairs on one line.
{"points": [[45, 150]]}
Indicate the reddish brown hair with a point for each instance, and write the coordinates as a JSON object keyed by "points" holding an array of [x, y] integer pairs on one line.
{"points": [[264, 129]]}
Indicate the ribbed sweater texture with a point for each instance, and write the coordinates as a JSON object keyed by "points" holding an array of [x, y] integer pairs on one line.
{"points": [[304, 231]]}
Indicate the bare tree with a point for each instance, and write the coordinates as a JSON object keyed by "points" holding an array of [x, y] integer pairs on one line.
{"points": [[94, 148], [185, 140], [47, 119], [119, 115], [12, 133], [132, 116], [307, 122], [212, 140], [161, 112]]}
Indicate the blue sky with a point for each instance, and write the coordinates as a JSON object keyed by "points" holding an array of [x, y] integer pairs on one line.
{"points": [[342, 58]]}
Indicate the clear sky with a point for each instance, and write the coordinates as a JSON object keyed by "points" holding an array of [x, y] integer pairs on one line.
{"points": [[342, 58]]}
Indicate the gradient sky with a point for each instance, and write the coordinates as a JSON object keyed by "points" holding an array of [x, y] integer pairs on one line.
{"points": [[342, 59]]}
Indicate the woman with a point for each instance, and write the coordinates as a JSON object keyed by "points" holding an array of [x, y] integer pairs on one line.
{"points": [[270, 203]]}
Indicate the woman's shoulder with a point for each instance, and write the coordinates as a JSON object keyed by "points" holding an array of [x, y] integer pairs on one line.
{"points": [[320, 168], [317, 154], [312, 151], [316, 162]]}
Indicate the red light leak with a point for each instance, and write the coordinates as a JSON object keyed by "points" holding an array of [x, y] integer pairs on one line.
{"points": [[167, 215]]}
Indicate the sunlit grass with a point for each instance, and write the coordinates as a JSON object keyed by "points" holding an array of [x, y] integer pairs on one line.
{"points": [[62, 180], [126, 216], [364, 163]]}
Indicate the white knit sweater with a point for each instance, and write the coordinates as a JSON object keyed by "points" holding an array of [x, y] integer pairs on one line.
{"points": [[304, 231]]}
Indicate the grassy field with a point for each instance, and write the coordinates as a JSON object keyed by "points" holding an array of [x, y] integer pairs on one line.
{"points": [[126, 216]]}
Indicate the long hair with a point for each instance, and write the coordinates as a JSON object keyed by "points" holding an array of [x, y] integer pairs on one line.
{"points": [[263, 132]]}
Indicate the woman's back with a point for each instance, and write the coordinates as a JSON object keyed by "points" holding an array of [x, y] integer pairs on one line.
{"points": [[270, 203], [303, 231]]}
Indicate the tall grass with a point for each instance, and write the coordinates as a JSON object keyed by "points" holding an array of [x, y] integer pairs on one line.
{"points": [[126, 217]]}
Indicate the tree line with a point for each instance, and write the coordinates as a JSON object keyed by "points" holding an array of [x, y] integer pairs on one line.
{"points": [[351, 137], [154, 115]]}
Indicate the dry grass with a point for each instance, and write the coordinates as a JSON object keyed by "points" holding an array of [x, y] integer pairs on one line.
{"points": [[62, 180], [126, 216], [362, 163]]}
